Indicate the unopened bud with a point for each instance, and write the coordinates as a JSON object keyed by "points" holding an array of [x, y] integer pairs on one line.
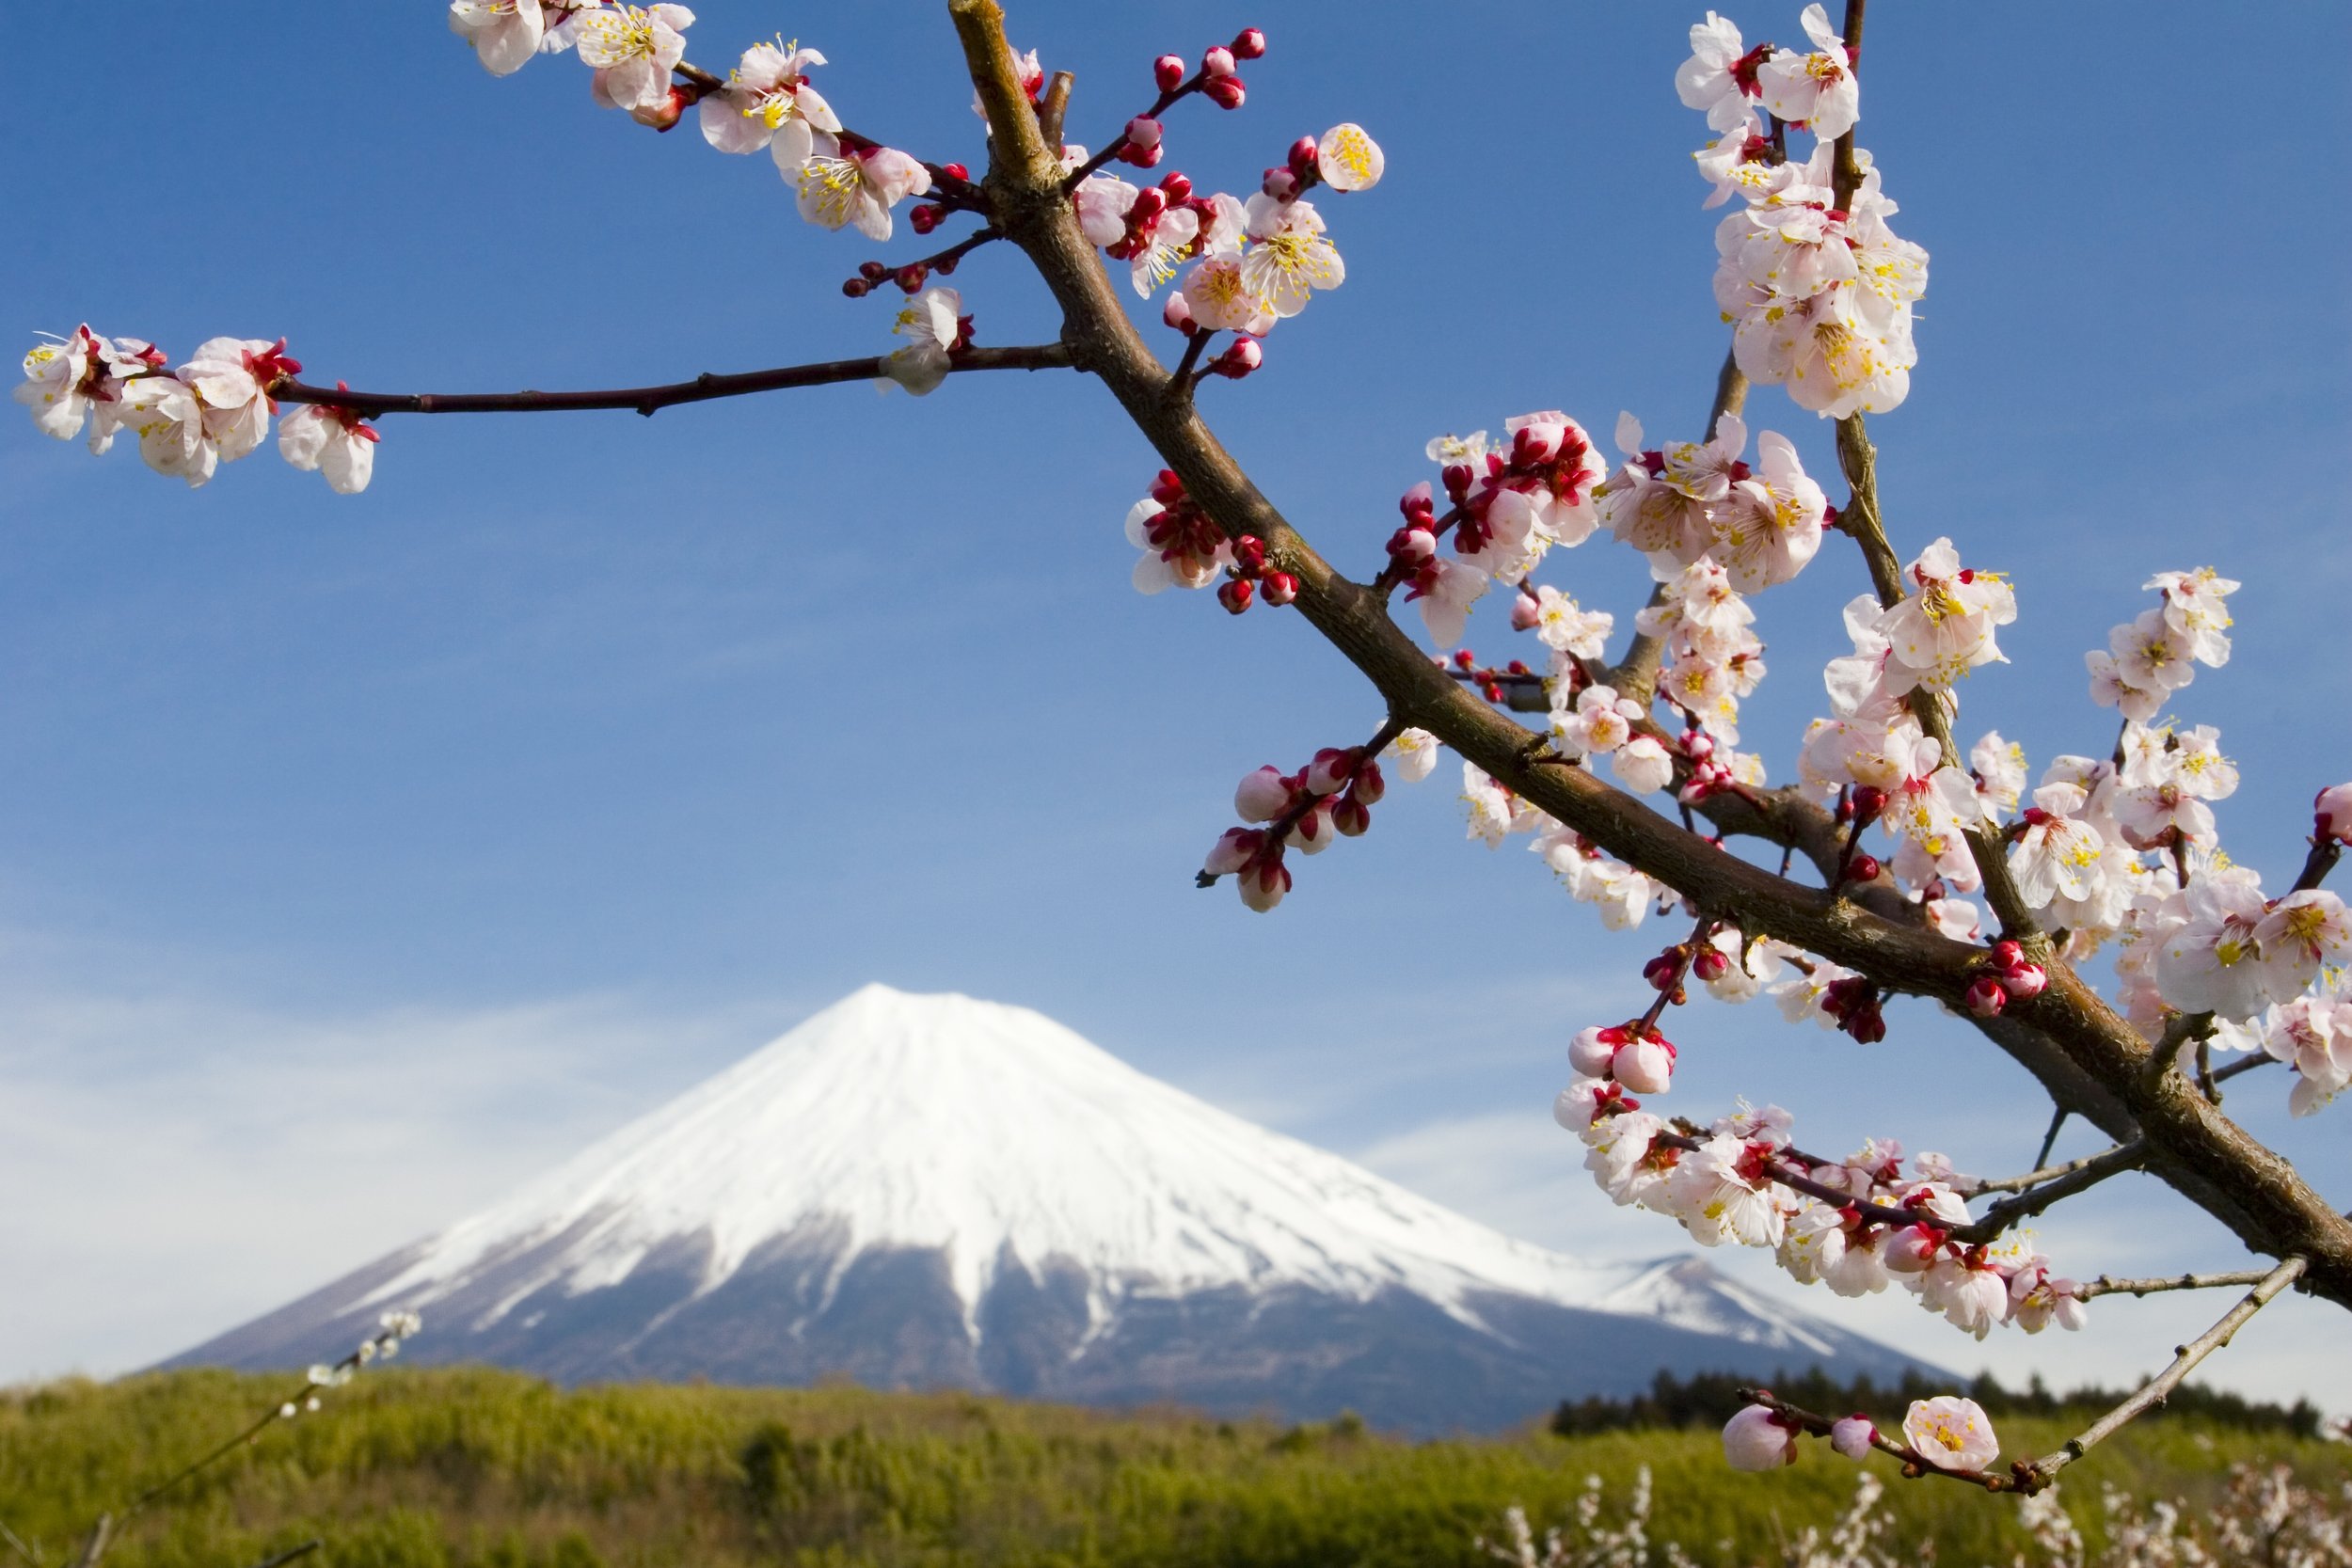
{"points": [[1350, 817], [1864, 867], [1177, 313], [1226, 92], [1869, 802], [1412, 548], [1233, 594], [1177, 188], [1239, 358], [1262, 796], [1368, 786], [1263, 885], [873, 271], [1141, 157], [1149, 204], [1279, 587], [1217, 62], [1248, 555], [954, 171], [2026, 980], [856, 288], [912, 276], [1328, 773], [1525, 613], [1280, 183], [1712, 964], [1249, 44], [1457, 478], [664, 115], [2007, 954], [2332, 814], [1168, 73], [1301, 156], [1986, 996], [925, 218]]}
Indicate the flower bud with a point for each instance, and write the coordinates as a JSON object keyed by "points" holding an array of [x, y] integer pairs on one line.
{"points": [[1177, 187], [2026, 980], [1280, 183], [1301, 157], [1412, 547], [1226, 92], [1986, 996], [1239, 358], [1168, 73], [1712, 964], [1525, 612], [1249, 44], [1457, 477], [1217, 62], [664, 115], [1869, 802], [1350, 817], [1368, 786], [1757, 1439], [925, 219], [1177, 313], [1851, 1437], [2333, 813], [873, 271], [856, 288], [1645, 1066], [1233, 594], [1311, 834], [912, 276], [1328, 773], [1144, 132], [954, 171], [1590, 1055], [1262, 796], [1233, 851], [1910, 1249], [1864, 867], [1250, 554], [1263, 885], [1279, 588]]}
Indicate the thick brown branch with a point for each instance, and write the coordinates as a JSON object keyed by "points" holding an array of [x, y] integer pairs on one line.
{"points": [[2067, 1036], [2038, 1474], [647, 400]]}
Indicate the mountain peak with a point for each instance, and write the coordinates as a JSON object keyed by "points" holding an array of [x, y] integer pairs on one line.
{"points": [[973, 1154]]}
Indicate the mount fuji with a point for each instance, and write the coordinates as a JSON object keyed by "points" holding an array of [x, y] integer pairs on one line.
{"points": [[932, 1191]]}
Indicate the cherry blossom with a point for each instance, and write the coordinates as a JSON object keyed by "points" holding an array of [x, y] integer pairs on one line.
{"points": [[1819, 91], [1643, 764], [2211, 962], [169, 419], [503, 34], [1945, 629], [1950, 1432], [1180, 545], [1348, 159], [1287, 257], [1561, 625], [934, 326], [1852, 1436], [231, 377], [1769, 525], [1719, 77], [333, 442], [70, 381], [767, 102], [633, 49], [2194, 606], [1414, 753], [1738, 163], [2298, 934], [856, 183]]}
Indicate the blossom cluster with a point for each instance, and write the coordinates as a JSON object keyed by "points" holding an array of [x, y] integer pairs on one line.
{"points": [[190, 420], [392, 1327], [1947, 1432], [1818, 291], [1331, 797], [1733, 1183]]}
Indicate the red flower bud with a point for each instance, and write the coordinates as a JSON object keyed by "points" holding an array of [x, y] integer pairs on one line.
{"points": [[1167, 72], [1249, 44], [1301, 156], [1233, 594], [954, 171], [1711, 963], [913, 277], [873, 271], [1248, 555], [1226, 92], [1986, 996], [1280, 587], [1280, 183], [1217, 62], [1864, 867], [1177, 188], [1869, 802], [1523, 613], [856, 288], [925, 218]]}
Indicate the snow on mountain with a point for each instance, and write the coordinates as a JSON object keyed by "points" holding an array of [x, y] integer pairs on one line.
{"points": [[934, 1189]]}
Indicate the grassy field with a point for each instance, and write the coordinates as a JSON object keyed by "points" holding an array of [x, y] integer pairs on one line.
{"points": [[468, 1467]]}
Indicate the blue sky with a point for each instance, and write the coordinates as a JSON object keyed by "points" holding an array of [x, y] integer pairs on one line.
{"points": [[362, 856]]}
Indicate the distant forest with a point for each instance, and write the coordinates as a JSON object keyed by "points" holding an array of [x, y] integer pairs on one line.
{"points": [[1710, 1398]]}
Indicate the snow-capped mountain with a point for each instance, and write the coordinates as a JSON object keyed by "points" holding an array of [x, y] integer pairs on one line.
{"points": [[923, 1191]]}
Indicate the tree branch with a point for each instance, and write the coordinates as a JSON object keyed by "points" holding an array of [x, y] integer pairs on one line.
{"points": [[2067, 1035], [2033, 1477], [2051, 1173], [1914, 1467], [649, 400], [2108, 1285]]}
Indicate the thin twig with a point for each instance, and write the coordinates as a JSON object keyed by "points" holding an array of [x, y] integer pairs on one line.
{"points": [[2046, 1173], [2108, 1285], [2034, 1476], [2049, 1142], [18, 1547], [1914, 1465], [646, 400], [290, 1553]]}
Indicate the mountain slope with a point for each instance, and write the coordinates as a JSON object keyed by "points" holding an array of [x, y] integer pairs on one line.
{"points": [[935, 1191]]}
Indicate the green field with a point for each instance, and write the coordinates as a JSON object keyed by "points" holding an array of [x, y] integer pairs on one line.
{"points": [[471, 1467]]}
